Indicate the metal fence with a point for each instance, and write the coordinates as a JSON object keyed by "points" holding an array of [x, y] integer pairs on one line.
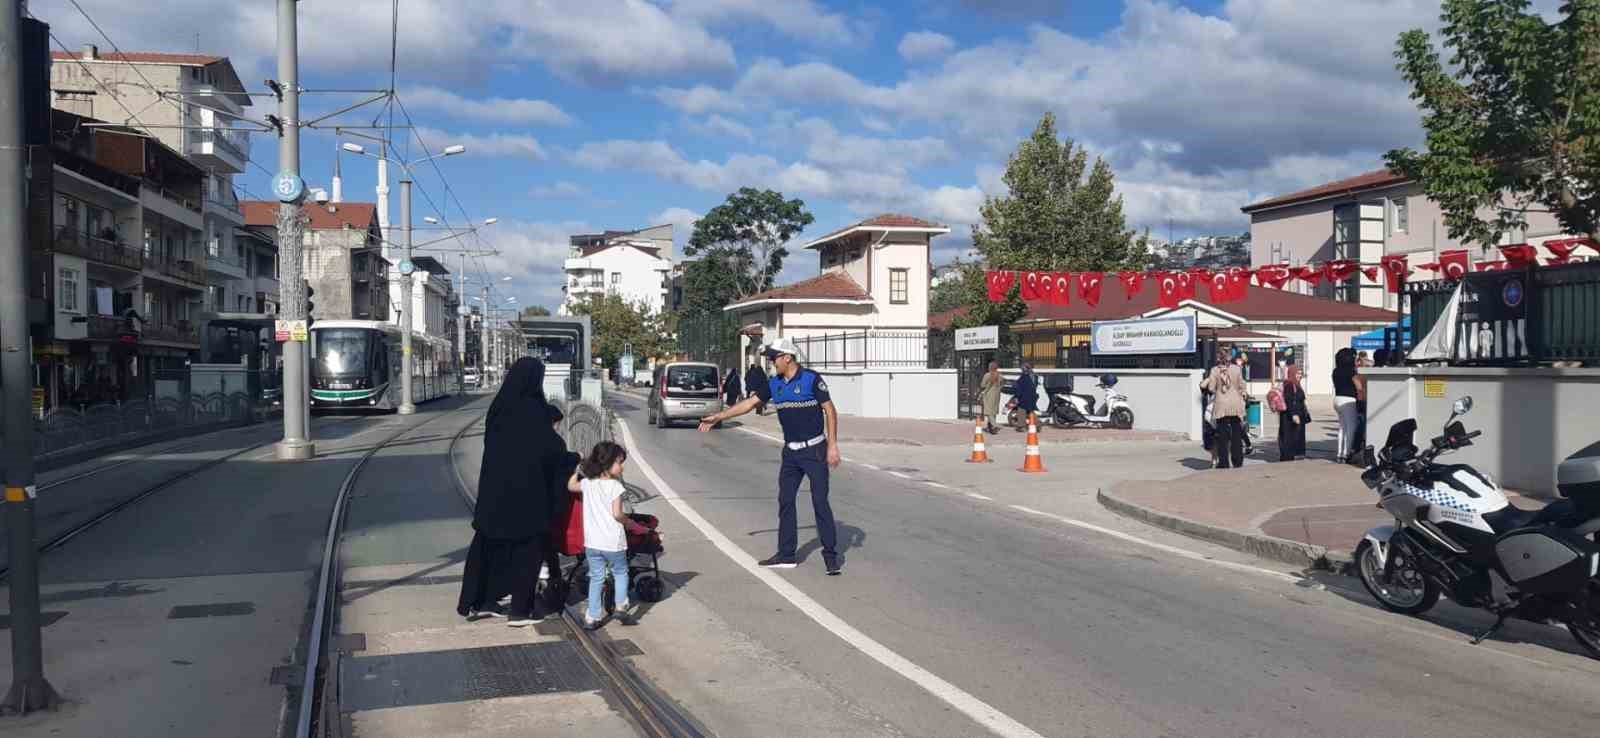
{"points": [[584, 425], [865, 349], [1560, 320], [710, 338]]}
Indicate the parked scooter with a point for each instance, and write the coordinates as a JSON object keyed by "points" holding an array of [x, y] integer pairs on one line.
{"points": [[1068, 408], [1456, 533]]}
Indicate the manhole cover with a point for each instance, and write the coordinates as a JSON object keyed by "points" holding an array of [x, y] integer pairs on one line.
{"points": [[462, 675]]}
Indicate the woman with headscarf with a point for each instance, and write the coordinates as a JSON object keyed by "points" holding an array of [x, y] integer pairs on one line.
{"points": [[731, 392], [515, 505], [989, 392], [1226, 384], [1294, 417]]}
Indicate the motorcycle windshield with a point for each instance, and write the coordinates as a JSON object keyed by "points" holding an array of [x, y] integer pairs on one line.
{"points": [[1401, 433]]}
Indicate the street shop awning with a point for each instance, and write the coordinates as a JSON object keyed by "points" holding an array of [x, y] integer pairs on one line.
{"points": [[1375, 339]]}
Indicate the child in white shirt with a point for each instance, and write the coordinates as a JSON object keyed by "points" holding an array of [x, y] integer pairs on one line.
{"points": [[605, 527]]}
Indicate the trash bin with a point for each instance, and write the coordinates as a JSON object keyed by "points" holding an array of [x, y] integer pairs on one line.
{"points": [[1252, 417]]}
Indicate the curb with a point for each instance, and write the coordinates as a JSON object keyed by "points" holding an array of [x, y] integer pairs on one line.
{"points": [[1268, 547]]}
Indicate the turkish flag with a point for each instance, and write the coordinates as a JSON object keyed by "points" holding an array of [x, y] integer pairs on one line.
{"points": [[1395, 270], [1187, 284], [1308, 275], [1089, 284], [999, 284], [1494, 266], [1238, 284], [1030, 286], [1274, 275], [1455, 264], [1340, 270], [1218, 284], [1371, 273], [1045, 288], [1562, 248], [1521, 256], [1132, 283], [1171, 290], [1060, 287]]}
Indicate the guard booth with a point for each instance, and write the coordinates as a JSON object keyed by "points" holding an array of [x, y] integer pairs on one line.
{"points": [[238, 355], [563, 344]]}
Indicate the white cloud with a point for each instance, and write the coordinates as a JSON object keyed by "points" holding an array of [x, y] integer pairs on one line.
{"points": [[919, 46], [559, 190], [532, 254], [718, 125], [660, 159], [514, 111], [827, 146], [698, 100], [605, 41], [494, 144], [682, 220], [802, 19]]}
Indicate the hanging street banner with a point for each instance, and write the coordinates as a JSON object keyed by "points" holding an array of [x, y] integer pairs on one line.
{"points": [[1167, 335], [978, 339]]}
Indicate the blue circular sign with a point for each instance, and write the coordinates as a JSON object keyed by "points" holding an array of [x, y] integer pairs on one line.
{"points": [[406, 267], [1511, 293], [288, 187]]}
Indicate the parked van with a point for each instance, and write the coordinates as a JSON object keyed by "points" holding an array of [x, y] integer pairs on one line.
{"points": [[684, 390]]}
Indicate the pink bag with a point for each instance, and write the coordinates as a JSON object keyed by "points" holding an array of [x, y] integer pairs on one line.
{"points": [[1275, 400]]}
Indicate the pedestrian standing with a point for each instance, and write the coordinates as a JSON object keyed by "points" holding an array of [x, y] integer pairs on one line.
{"points": [[1293, 416], [605, 528], [1226, 384], [515, 504], [810, 447], [1025, 392], [754, 378], [989, 393], [730, 388], [1241, 360], [1348, 391]]}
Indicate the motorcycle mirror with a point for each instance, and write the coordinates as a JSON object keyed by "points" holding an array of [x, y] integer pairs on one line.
{"points": [[1463, 405]]}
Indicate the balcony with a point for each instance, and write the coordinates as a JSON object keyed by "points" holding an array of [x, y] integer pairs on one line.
{"points": [[223, 261], [181, 333], [105, 327], [220, 147], [223, 201], [98, 250], [182, 270]]}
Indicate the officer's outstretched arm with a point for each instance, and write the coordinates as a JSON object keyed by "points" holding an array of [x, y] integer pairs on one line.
{"points": [[744, 406]]}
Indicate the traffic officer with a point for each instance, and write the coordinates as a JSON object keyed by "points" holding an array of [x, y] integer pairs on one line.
{"points": [[810, 446]]}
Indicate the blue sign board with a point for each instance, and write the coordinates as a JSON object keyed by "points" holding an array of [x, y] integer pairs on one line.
{"points": [[1171, 334]]}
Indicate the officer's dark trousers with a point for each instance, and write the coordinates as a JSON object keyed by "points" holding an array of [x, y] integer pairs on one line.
{"points": [[810, 463]]}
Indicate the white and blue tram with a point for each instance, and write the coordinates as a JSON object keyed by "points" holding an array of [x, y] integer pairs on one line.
{"points": [[357, 364]]}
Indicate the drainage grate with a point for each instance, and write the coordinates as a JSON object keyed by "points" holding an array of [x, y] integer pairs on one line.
{"points": [[213, 610], [46, 619], [462, 675]]}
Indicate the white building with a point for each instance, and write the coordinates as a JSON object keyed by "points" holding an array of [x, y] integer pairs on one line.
{"points": [[634, 264]]}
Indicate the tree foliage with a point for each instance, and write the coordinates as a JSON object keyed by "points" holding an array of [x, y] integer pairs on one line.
{"points": [[618, 323], [535, 311], [745, 236], [1061, 213], [1512, 122], [707, 286]]}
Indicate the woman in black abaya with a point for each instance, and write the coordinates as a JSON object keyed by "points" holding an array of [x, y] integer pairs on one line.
{"points": [[515, 503]]}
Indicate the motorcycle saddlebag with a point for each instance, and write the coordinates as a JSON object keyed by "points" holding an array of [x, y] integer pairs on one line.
{"points": [[1546, 560], [1578, 479]]}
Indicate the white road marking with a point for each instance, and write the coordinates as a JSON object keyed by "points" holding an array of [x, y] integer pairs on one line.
{"points": [[902, 475], [983, 713], [1174, 550], [976, 496], [936, 484]]}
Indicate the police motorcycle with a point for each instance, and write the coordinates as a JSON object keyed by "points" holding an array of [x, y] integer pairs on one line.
{"points": [[1455, 533]]}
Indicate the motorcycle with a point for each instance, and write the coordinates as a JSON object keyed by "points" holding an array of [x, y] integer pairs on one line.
{"points": [[1068, 408], [1455, 533]]}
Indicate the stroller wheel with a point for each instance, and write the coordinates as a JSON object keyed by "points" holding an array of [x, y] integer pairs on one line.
{"points": [[649, 588]]}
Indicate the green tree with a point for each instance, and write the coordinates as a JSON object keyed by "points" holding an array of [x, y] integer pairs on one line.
{"points": [[1061, 213], [707, 287], [745, 236], [1512, 122], [535, 311], [950, 293], [618, 323]]}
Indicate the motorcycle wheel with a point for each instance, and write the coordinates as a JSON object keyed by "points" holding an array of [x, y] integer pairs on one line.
{"points": [[1122, 418], [1416, 596], [1587, 636]]}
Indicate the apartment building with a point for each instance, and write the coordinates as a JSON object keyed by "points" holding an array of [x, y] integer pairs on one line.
{"points": [[634, 264], [341, 257]]}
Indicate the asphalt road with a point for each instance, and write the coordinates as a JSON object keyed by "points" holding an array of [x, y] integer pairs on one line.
{"points": [[1066, 631]]}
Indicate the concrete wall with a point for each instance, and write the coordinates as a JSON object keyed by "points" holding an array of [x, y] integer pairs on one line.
{"points": [[1531, 418], [1162, 399], [893, 393]]}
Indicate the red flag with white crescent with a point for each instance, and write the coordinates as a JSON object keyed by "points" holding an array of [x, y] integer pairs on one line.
{"points": [[1132, 283], [1061, 285], [1455, 264], [1238, 284], [1089, 287], [999, 284], [1498, 265], [1045, 288], [1562, 248], [1218, 284], [1030, 286], [1187, 284], [1520, 256], [1273, 275], [1371, 273], [1171, 291], [1395, 270], [1307, 274], [1340, 270]]}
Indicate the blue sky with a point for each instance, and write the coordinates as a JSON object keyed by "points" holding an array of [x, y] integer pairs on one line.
{"points": [[626, 113]]}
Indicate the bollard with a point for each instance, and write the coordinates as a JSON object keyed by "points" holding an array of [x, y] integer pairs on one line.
{"points": [[1031, 461], [979, 454]]}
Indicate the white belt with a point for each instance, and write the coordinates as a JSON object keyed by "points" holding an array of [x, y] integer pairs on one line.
{"points": [[802, 445]]}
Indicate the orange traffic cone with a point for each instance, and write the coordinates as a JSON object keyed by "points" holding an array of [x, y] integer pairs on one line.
{"points": [[979, 455], [1031, 462]]}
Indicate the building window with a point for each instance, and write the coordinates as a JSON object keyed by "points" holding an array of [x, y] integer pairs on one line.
{"points": [[616, 279], [1402, 215], [69, 289], [899, 286]]}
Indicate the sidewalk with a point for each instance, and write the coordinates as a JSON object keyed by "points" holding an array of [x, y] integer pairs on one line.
{"points": [[1309, 512]]}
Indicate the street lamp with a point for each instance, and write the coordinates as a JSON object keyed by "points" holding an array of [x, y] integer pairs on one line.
{"points": [[407, 310]]}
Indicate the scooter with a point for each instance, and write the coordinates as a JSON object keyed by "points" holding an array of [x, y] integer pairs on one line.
{"points": [[1069, 409]]}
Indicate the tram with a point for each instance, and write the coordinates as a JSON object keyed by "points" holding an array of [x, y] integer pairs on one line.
{"points": [[357, 364]]}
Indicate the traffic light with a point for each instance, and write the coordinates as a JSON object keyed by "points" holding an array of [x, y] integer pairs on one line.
{"points": [[310, 306]]}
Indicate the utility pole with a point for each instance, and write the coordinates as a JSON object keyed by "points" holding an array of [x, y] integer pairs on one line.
{"points": [[461, 315], [29, 689], [483, 335], [407, 309], [296, 444]]}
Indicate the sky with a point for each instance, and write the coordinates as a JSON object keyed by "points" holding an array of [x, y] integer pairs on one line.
{"points": [[582, 115]]}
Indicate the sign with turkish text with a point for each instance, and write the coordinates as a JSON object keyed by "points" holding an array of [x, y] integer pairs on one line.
{"points": [[280, 330], [297, 331], [1167, 335], [978, 339]]}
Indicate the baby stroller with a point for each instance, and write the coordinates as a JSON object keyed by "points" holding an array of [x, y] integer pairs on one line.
{"points": [[644, 552]]}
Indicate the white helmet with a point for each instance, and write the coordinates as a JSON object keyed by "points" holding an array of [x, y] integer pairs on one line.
{"points": [[782, 346]]}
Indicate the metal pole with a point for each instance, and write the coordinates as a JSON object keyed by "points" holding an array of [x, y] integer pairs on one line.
{"points": [[296, 443], [483, 336], [29, 689], [407, 311], [461, 319]]}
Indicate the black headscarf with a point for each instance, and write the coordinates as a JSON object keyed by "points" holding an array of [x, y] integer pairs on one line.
{"points": [[514, 496]]}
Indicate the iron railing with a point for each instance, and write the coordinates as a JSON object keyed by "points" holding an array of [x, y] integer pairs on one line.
{"points": [[867, 349], [1560, 322], [97, 249]]}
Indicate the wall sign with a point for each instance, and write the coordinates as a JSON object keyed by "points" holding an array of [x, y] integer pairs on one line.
{"points": [[1433, 388], [1167, 335], [978, 339]]}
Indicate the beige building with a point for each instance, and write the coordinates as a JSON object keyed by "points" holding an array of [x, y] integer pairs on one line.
{"points": [[1365, 218], [872, 296], [341, 260], [637, 265]]}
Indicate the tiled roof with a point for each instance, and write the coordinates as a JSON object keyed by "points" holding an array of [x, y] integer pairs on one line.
{"points": [[1368, 181], [147, 57], [887, 220], [829, 286], [593, 249], [358, 215]]}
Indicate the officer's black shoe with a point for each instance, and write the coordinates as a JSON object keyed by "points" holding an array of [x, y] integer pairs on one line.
{"points": [[778, 561], [832, 563]]}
